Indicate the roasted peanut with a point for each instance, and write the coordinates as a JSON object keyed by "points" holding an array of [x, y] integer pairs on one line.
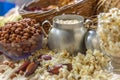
{"points": [[26, 30], [6, 36], [13, 76], [17, 30], [33, 42], [13, 28], [33, 47], [17, 39], [19, 49], [26, 34], [20, 32], [24, 37], [12, 65]]}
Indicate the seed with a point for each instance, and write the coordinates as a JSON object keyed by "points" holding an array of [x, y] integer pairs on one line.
{"points": [[13, 28], [19, 49], [31, 69], [55, 69], [23, 66]]}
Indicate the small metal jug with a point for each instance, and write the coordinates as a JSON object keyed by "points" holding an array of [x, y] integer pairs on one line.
{"points": [[67, 36]]}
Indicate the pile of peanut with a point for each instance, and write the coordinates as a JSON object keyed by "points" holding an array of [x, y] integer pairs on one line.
{"points": [[21, 37]]}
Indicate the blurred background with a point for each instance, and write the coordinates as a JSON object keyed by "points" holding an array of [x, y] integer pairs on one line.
{"points": [[6, 5]]}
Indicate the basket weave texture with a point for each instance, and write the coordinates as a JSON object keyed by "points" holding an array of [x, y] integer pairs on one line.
{"points": [[85, 8], [105, 5]]}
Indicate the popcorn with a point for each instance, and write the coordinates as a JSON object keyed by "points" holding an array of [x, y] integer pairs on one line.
{"points": [[108, 31], [67, 21], [84, 67]]}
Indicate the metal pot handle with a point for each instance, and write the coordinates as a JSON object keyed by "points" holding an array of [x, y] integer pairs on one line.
{"points": [[88, 23], [46, 21], [91, 22]]}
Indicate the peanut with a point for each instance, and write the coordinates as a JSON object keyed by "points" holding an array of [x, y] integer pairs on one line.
{"points": [[20, 32], [12, 76]]}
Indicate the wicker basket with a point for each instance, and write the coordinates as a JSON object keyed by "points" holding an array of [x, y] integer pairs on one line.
{"points": [[105, 5], [85, 8]]}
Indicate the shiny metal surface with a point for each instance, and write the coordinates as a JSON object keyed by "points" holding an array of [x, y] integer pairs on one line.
{"points": [[67, 36], [91, 40]]}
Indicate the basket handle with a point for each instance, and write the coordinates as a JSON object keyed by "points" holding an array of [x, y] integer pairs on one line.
{"points": [[46, 21]]}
